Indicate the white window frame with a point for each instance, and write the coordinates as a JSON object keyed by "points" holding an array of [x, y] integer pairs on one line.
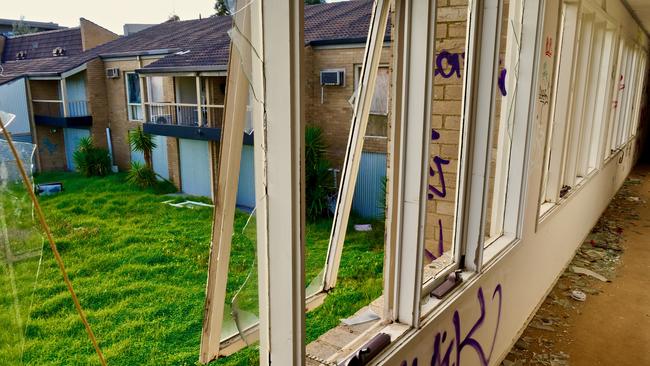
{"points": [[591, 126], [616, 97], [579, 91], [130, 107], [600, 150], [560, 105]]}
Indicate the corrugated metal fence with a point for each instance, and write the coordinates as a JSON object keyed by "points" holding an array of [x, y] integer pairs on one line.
{"points": [[369, 193]]}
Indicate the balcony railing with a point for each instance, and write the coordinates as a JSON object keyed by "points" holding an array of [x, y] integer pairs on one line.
{"points": [[184, 114], [48, 108], [54, 108], [78, 108]]}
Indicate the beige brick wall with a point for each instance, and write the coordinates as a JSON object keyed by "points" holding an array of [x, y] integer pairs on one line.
{"points": [[93, 35], [117, 110], [447, 105], [97, 101], [333, 113]]}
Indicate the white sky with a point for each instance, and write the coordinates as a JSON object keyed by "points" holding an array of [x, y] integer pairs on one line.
{"points": [[111, 14]]}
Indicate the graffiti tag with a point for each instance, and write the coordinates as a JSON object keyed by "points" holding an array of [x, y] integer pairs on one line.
{"points": [[448, 64], [447, 348]]}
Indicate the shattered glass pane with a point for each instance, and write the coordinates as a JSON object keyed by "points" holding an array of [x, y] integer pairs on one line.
{"points": [[502, 129], [241, 312], [21, 250]]}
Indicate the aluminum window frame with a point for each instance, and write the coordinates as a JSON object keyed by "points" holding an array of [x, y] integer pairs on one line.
{"points": [[560, 105], [129, 105]]}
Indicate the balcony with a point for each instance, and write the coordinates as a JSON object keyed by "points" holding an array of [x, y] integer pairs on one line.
{"points": [[56, 113], [191, 121]]}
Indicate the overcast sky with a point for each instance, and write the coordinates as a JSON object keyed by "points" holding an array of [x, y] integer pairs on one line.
{"points": [[111, 14]]}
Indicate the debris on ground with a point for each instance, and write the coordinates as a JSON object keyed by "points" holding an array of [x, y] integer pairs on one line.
{"points": [[363, 227], [589, 272], [595, 264], [578, 295]]}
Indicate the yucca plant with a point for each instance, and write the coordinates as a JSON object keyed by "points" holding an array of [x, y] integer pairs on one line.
{"points": [[91, 160], [143, 142], [318, 177], [141, 175]]}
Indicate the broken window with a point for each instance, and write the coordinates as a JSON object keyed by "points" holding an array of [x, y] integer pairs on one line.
{"points": [[21, 249], [378, 120]]}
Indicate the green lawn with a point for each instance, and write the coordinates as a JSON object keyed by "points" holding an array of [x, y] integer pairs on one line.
{"points": [[139, 268]]}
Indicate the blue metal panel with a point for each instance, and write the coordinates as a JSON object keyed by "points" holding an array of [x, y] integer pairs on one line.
{"points": [[71, 137], [159, 157], [368, 193], [246, 188], [195, 167]]}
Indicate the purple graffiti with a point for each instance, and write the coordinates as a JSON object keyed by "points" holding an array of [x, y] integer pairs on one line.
{"points": [[430, 256], [460, 343], [442, 192], [448, 64], [453, 62], [502, 82], [439, 162]]}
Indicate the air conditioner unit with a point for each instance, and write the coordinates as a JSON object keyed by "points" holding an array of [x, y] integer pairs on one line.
{"points": [[161, 119], [332, 77], [112, 73]]}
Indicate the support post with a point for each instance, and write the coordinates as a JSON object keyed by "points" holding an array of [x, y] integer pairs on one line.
{"points": [[224, 197], [279, 178], [360, 116]]}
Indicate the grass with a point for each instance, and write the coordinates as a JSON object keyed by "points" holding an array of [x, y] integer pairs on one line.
{"points": [[139, 268]]}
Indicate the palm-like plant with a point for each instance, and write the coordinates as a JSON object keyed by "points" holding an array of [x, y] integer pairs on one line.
{"points": [[143, 142]]}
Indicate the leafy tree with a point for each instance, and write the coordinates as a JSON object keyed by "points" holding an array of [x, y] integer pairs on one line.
{"points": [[20, 27], [221, 8], [173, 18]]}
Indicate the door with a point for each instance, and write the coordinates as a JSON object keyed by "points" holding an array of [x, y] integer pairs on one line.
{"points": [[71, 138], [159, 157], [195, 167]]}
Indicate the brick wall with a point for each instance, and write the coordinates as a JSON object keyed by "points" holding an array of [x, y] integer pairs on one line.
{"points": [[93, 35], [331, 110], [451, 26], [97, 101], [117, 112]]}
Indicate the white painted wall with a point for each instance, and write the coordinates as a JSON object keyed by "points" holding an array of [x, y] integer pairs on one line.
{"points": [[13, 99]]}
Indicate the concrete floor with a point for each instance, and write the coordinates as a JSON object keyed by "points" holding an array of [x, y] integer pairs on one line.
{"points": [[612, 327]]}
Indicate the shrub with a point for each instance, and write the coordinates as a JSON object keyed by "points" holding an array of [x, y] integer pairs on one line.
{"points": [[318, 177], [141, 175], [91, 160]]}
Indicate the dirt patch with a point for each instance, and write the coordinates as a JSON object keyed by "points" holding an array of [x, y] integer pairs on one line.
{"points": [[612, 325]]}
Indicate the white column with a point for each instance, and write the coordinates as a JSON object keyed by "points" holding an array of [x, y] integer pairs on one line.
{"points": [[279, 179]]}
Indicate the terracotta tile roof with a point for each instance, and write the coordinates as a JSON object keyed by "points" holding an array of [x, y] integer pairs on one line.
{"points": [[206, 40]]}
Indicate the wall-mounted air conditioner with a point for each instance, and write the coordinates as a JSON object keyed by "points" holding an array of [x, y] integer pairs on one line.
{"points": [[161, 119], [112, 73], [335, 77]]}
